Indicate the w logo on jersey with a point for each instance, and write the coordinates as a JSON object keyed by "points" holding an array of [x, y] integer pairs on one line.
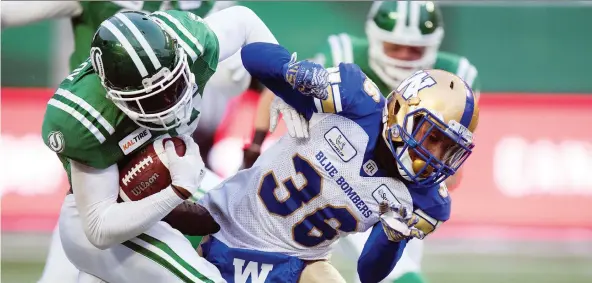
{"points": [[241, 275]]}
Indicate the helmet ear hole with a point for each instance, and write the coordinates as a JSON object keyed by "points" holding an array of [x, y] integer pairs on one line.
{"points": [[397, 107]]}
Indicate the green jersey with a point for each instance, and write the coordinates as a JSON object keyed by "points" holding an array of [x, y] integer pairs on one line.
{"points": [[95, 12], [82, 124], [344, 48]]}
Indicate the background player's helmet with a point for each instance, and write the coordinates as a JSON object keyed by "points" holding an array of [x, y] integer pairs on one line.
{"points": [[403, 24], [428, 126], [145, 71]]}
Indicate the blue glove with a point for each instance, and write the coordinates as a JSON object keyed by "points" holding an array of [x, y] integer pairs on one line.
{"points": [[307, 77]]}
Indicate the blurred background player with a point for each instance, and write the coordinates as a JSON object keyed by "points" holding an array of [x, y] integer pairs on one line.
{"points": [[401, 38]]}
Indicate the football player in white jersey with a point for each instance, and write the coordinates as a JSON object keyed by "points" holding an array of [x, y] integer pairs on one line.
{"points": [[280, 218]]}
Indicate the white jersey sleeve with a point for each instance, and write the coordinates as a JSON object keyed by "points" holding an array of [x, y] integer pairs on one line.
{"points": [[237, 26], [18, 13], [106, 222]]}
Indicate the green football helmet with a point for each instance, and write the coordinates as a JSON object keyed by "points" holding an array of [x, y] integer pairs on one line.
{"points": [[407, 23], [144, 70]]}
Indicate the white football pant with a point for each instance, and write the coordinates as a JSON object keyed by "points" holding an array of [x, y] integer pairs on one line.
{"points": [[161, 254], [57, 266]]}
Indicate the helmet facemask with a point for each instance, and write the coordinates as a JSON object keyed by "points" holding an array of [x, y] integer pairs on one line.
{"points": [[413, 141], [164, 102]]}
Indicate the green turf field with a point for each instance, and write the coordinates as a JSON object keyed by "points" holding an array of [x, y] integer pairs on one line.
{"points": [[444, 262], [439, 269]]}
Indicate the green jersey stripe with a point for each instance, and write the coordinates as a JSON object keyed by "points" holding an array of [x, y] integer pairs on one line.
{"points": [[82, 112], [141, 39], [183, 30], [127, 46], [168, 251], [336, 50], [88, 108], [167, 26], [85, 122], [154, 257], [348, 51]]}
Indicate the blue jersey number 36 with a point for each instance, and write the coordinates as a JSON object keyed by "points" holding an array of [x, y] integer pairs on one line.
{"points": [[315, 227]]}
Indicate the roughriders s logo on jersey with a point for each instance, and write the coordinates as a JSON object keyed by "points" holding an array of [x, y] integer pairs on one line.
{"points": [[97, 61], [55, 141]]}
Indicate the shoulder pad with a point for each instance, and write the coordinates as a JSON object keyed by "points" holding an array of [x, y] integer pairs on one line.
{"points": [[432, 206], [76, 129], [360, 94]]}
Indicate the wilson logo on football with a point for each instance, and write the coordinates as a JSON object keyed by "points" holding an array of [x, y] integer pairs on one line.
{"points": [[143, 185]]}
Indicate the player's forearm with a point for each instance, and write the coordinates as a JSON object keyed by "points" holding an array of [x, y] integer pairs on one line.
{"points": [[107, 222], [18, 13], [262, 115], [379, 256], [266, 61], [244, 27]]}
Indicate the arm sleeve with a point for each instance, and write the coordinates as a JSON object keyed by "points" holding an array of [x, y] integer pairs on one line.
{"points": [[237, 26], [379, 256], [351, 94], [18, 13], [107, 222], [270, 72]]}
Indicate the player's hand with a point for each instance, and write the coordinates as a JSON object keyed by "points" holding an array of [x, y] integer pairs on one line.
{"points": [[187, 171], [250, 155], [308, 77], [398, 222], [297, 125]]}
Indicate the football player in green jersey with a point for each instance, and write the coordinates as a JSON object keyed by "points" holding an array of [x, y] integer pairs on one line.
{"points": [[144, 79], [402, 37], [86, 16]]}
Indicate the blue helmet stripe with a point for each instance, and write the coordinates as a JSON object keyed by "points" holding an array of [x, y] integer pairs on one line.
{"points": [[467, 116]]}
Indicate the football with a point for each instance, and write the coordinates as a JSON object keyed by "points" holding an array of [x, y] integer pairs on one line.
{"points": [[146, 173]]}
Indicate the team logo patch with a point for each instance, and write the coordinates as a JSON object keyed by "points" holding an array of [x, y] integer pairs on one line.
{"points": [[340, 144], [383, 193], [370, 167], [134, 140], [372, 90], [56, 142], [97, 61]]}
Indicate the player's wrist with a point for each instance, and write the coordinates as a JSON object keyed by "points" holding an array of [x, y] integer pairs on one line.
{"points": [[171, 197], [181, 192]]}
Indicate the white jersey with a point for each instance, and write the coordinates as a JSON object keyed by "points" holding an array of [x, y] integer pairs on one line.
{"points": [[302, 195]]}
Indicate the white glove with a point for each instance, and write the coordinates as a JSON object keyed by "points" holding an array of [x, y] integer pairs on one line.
{"points": [[398, 222], [297, 125], [187, 171]]}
